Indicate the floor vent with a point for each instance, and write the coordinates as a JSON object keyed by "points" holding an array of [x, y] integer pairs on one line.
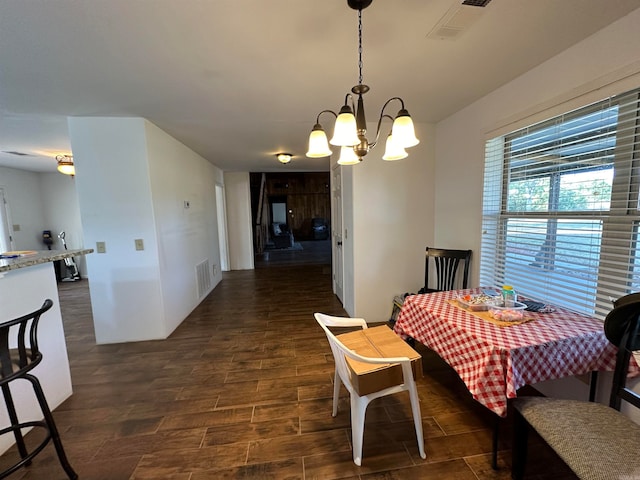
{"points": [[203, 278]]}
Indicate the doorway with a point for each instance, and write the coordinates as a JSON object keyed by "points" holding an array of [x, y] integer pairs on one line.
{"points": [[6, 242], [222, 228], [336, 233], [278, 209]]}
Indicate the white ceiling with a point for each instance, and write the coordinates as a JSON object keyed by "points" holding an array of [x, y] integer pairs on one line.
{"points": [[240, 80]]}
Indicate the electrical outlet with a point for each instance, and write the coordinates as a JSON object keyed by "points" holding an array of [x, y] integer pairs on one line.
{"points": [[139, 244], [101, 247], [215, 270]]}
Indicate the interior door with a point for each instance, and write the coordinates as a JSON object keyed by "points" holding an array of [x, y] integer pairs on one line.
{"points": [[336, 233]]}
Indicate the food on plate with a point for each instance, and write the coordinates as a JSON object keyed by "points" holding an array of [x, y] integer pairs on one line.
{"points": [[506, 314]]}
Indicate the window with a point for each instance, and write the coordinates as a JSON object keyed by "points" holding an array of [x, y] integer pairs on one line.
{"points": [[561, 209]]}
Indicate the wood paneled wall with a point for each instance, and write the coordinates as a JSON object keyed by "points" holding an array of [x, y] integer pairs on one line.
{"points": [[307, 194]]}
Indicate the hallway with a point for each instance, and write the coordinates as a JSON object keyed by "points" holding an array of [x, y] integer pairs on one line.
{"points": [[311, 252]]}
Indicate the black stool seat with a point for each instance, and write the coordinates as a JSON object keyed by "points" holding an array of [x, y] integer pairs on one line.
{"points": [[16, 363]]}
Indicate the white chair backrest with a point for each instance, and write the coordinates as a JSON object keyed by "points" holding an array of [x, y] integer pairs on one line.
{"points": [[329, 321], [341, 351], [338, 349]]}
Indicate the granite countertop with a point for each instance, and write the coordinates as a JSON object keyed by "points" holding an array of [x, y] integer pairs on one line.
{"points": [[41, 256]]}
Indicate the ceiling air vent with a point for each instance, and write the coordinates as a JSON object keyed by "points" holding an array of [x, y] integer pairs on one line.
{"points": [[458, 19], [476, 3]]}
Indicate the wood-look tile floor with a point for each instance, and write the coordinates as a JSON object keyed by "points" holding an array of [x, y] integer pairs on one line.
{"points": [[242, 389]]}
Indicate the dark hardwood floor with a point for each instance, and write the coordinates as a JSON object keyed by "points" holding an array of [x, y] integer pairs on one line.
{"points": [[242, 389], [309, 253]]}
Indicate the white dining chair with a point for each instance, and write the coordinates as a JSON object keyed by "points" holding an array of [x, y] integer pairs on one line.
{"points": [[359, 403]]}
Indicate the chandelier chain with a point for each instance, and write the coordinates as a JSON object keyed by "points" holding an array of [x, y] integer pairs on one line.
{"points": [[359, 47]]}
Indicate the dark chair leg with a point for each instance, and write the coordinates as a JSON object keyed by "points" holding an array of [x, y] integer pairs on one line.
{"points": [[496, 436], [519, 447], [13, 417], [48, 418]]}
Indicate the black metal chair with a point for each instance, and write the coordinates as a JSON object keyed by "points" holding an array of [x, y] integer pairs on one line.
{"points": [[596, 441], [15, 364], [446, 264]]}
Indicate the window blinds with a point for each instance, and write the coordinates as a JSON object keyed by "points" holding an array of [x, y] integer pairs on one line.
{"points": [[561, 209]]}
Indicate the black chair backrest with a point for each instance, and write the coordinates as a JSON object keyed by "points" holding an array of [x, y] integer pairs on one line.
{"points": [[622, 328], [446, 266], [25, 355]]}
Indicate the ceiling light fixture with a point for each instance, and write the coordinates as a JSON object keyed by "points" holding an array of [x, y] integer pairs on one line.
{"points": [[65, 164], [351, 126], [284, 157]]}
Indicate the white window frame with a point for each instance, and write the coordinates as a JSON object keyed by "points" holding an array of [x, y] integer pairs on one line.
{"points": [[615, 260]]}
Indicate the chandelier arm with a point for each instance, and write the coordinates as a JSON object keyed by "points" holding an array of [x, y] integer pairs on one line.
{"points": [[382, 115], [389, 101], [373, 144], [348, 97], [326, 111]]}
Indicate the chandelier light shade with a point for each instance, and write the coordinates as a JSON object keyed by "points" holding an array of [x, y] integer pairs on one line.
{"points": [[345, 130], [393, 150], [403, 130], [348, 156], [318, 143], [284, 157], [350, 128], [65, 164]]}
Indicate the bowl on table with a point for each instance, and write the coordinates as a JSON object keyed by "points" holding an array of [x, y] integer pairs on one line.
{"points": [[477, 303]]}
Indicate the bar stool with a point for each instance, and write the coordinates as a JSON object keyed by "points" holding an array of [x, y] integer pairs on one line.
{"points": [[16, 363]]}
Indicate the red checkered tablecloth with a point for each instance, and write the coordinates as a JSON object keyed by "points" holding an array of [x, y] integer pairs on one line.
{"points": [[494, 362]]}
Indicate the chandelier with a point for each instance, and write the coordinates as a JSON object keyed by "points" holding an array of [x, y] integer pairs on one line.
{"points": [[350, 128], [65, 164]]}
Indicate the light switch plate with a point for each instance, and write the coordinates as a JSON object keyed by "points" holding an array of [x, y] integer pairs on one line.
{"points": [[139, 244], [101, 247]]}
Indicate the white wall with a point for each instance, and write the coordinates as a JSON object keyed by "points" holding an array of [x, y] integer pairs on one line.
{"points": [[114, 192], [580, 75], [239, 221], [393, 213], [24, 195], [43, 201], [131, 184], [604, 64], [185, 236], [62, 212]]}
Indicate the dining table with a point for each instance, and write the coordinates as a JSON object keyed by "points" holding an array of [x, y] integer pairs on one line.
{"points": [[495, 358]]}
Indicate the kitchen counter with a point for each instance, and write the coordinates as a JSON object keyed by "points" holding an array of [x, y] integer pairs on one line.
{"points": [[41, 256], [25, 283]]}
